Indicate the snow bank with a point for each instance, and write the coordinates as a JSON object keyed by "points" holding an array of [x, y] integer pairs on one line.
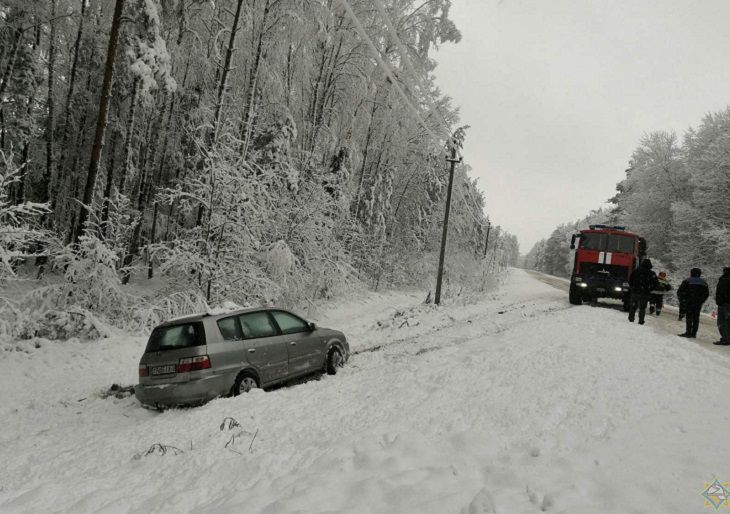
{"points": [[517, 404]]}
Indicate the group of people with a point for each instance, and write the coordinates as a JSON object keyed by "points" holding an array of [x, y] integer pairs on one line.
{"points": [[648, 289]]}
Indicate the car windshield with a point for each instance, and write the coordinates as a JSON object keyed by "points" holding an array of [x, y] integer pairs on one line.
{"points": [[607, 242], [174, 337]]}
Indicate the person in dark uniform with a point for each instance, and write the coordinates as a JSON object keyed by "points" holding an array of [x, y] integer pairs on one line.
{"points": [[642, 283], [692, 294], [722, 299], [656, 300]]}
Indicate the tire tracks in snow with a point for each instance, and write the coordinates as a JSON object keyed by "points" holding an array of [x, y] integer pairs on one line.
{"points": [[531, 310]]}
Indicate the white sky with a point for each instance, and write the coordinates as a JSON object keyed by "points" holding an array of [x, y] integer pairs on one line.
{"points": [[559, 92]]}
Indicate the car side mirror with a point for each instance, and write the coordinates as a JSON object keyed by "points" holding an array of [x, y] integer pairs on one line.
{"points": [[312, 326]]}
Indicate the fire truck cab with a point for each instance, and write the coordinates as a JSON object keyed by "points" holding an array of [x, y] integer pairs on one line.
{"points": [[605, 259]]}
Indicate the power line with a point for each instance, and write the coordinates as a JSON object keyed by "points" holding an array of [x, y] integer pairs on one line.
{"points": [[417, 78], [386, 67], [414, 76]]}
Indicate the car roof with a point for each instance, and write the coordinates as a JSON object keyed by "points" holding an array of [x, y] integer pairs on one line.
{"points": [[216, 315]]}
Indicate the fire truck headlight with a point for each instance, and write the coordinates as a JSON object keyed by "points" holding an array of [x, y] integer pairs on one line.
{"points": [[617, 289], [583, 284]]}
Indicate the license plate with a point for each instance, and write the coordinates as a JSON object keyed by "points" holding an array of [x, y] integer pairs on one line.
{"points": [[600, 290], [162, 370]]}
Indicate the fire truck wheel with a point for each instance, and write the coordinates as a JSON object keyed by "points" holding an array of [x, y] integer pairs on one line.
{"points": [[575, 297]]}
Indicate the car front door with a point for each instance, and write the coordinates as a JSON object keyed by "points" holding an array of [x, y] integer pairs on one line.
{"points": [[265, 349], [304, 345]]}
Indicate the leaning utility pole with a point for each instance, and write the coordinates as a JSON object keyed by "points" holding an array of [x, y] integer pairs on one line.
{"points": [[453, 160], [486, 242]]}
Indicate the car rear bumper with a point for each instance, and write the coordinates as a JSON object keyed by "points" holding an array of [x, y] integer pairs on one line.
{"points": [[192, 392]]}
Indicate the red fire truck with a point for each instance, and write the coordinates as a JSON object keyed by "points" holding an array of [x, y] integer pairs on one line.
{"points": [[604, 261]]}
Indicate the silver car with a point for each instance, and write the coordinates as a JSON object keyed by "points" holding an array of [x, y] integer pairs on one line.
{"points": [[195, 359]]}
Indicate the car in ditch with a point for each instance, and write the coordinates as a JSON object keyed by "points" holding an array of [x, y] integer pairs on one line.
{"points": [[195, 359]]}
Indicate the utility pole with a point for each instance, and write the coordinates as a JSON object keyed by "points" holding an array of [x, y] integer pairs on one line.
{"points": [[453, 160], [486, 243]]}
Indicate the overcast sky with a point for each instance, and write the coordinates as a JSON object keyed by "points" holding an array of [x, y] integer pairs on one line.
{"points": [[559, 92]]}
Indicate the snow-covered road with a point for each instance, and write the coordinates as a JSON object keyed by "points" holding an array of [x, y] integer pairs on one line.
{"points": [[519, 403]]}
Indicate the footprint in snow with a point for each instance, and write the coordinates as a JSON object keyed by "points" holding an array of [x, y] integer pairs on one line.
{"points": [[545, 504], [483, 503]]}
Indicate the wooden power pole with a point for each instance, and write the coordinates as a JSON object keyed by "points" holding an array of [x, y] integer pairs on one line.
{"points": [[486, 242], [453, 160]]}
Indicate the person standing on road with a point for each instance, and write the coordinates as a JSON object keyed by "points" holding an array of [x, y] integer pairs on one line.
{"points": [[656, 299], [693, 293], [722, 298], [642, 283]]}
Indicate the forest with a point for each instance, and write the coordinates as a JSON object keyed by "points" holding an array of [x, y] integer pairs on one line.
{"points": [[159, 157], [675, 194]]}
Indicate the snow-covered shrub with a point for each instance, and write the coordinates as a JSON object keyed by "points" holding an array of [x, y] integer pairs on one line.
{"points": [[21, 232], [91, 280], [59, 325]]}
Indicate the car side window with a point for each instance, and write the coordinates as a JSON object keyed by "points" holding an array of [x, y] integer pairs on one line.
{"points": [[257, 324], [230, 329], [290, 324]]}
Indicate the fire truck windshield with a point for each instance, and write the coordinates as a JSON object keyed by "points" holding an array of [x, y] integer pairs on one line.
{"points": [[607, 242]]}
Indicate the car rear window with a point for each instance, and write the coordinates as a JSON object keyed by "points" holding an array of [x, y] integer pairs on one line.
{"points": [[174, 337]]}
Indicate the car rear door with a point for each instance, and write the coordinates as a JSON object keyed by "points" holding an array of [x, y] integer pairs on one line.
{"points": [[167, 345], [304, 345], [265, 348]]}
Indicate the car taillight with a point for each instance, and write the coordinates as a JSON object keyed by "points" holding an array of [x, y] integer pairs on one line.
{"points": [[193, 364], [143, 371]]}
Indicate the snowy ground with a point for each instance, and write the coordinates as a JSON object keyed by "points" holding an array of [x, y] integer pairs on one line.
{"points": [[516, 404], [667, 322]]}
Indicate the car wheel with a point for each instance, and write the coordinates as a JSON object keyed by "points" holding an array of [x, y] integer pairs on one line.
{"points": [[245, 381], [334, 360]]}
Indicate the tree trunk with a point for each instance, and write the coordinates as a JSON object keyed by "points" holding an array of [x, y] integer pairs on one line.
{"points": [[226, 70], [25, 154], [153, 233], [11, 64], [247, 126], [368, 137], [106, 89], [50, 125], [131, 119], [109, 183], [69, 94]]}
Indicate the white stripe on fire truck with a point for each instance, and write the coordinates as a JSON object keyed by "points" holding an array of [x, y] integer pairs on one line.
{"points": [[608, 257], [601, 257]]}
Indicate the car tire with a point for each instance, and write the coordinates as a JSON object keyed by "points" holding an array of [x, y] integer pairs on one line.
{"points": [[334, 360], [575, 296], [245, 381]]}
